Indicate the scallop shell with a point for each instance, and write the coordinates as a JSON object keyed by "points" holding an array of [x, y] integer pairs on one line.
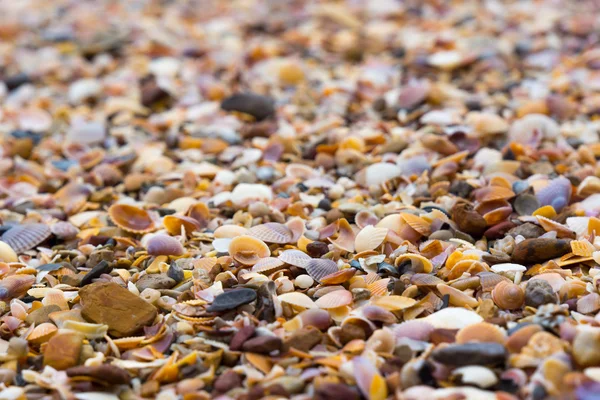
{"points": [[271, 232], [229, 231], [345, 239], [553, 226], [294, 257], [508, 296], [453, 318], [415, 329], [582, 248], [338, 277], [481, 332], [174, 224], [497, 215], [319, 268], [131, 218], [64, 230], [589, 303], [556, 194], [55, 297], [572, 290], [379, 287], [418, 263], [526, 204], [248, 250], [297, 299], [42, 333], [457, 298], [26, 236], [417, 223], [335, 299], [164, 245], [492, 193], [369, 238], [394, 302], [267, 264], [296, 227], [425, 280], [470, 266]]}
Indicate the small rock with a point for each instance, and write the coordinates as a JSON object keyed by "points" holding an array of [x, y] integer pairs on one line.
{"points": [[103, 267], [41, 315], [175, 272], [232, 299], [72, 280], [63, 349], [533, 251], [335, 391], [227, 381], [586, 347], [260, 107], [155, 281], [304, 339], [107, 303], [471, 354], [317, 249], [291, 384], [539, 292], [104, 372], [527, 230], [241, 336], [263, 344], [98, 256]]}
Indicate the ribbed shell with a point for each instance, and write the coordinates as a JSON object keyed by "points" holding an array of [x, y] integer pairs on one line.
{"points": [[267, 264], [27, 236], [296, 258], [369, 238], [271, 232], [425, 280], [508, 296], [335, 299], [318, 268]]}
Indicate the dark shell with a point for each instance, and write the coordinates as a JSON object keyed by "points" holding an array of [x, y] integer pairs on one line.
{"points": [[532, 251], [260, 107], [27, 236], [232, 299], [467, 219]]}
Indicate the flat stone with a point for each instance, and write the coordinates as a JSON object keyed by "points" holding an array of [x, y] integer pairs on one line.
{"points": [[227, 381], [155, 281], [110, 304], [260, 107], [304, 339], [72, 279], [41, 315], [241, 337], [103, 267], [63, 350], [533, 251], [471, 354], [232, 299], [104, 372], [527, 230], [263, 344]]}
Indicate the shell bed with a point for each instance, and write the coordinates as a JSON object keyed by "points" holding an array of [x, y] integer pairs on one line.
{"points": [[305, 199]]}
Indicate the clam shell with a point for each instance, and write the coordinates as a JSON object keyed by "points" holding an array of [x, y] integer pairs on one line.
{"points": [[42, 333], [64, 230], [335, 299], [508, 296], [229, 231], [453, 318], [176, 224], [369, 238], [267, 264], [7, 254], [297, 299], [394, 302], [481, 332], [296, 227], [418, 263], [271, 232], [164, 245], [90, 331], [248, 250], [294, 257], [131, 219], [457, 298], [579, 225], [338, 277], [377, 313], [55, 297], [319, 268], [393, 222], [492, 193], [246, 193], [15, 286], [415, 329], [26, 236], [557, 193], [345, 239], [200, 213]]}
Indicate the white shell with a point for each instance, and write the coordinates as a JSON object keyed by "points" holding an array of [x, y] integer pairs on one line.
{"points": [[369, 238], [476, 375], [453, 318], [222, 245], [508, 267], [245, 193]]}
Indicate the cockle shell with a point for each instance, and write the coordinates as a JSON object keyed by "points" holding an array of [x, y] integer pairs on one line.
{"points": [[248, 250], [369, 238], [335, 299], [131, 218], [26, 236], [508, 296], [319, 268], [267, 264], [159, 245], [42, 333], [294, 257], [271, 232], [394, 302]]}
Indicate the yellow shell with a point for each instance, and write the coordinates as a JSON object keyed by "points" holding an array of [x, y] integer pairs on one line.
{"points": [[545, 211], [90, 331], [582, 248], [248, 250], [418, 262]]}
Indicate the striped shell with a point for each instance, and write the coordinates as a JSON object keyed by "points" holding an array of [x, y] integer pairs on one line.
{"points": [[369, 238], [552, 226], [379, 287], [131, 218], [271, 232], [489, 280], [425, 280], [294, 257], [417, 223], [26, 236], [248, 250], [319, 268], [491, 193], [267, 264], [337, 298], [42, 333], [508, 296], [556, 193]]}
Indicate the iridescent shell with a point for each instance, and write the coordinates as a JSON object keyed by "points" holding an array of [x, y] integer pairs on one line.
{"points": [[369, 238], [294, 257], [508, 296], [556, 193], [248, 250], [176, 224], [131, 218], [159, 245], [26, 236], [271, 232], [319, 268], [335, 299], [481, 332]]}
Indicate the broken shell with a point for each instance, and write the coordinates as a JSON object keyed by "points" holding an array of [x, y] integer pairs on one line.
{"points": [[179, 224], [508, 296], [248, 250], [338, 277], [481, 332], [130, 218], [164, 245], [394, 302], [26, 236]]}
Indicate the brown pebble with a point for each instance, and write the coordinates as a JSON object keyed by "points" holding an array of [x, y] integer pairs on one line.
{"points": [[304, 339], [532, 251], [241, 336], [263, 344], [63, 350], [227, 381], [105, 372]]}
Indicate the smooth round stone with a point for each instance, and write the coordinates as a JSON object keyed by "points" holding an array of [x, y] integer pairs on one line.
{"points": [[304, 281], [471, 354]]}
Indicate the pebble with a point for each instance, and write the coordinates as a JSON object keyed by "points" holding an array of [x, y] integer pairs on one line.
{"points": [[226, 381], [304, 339], [586, 347], [539, 292], [241, 336], [232, 299], [260, 107], [532, 251], [263, 344], [103, 267], [155, 281], [471, 354], [104, 372], [41, 315]]}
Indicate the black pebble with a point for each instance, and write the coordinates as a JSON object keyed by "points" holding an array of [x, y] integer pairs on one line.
{"points": [[260, 107]]}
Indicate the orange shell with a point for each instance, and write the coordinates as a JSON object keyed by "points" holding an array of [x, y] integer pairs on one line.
{"points": [[337, 298], [173, 224], [131, 218], [508, 296], [481, 332], [417, 223], [42, 333], [338, 277], [248, 250], [456, 297]]}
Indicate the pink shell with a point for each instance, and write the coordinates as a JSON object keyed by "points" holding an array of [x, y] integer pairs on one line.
{"points": [[337, 298], [164, 245], [414, 329], [271, 232]]}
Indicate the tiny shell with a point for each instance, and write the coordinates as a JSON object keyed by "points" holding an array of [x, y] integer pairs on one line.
{"points": [[267, 264], [26, 236], [589, 303], [248, 250], [532, 128], [508, 296], [338, 277], [164, 245], [369, 238], [476, 375], [335, 299], [130, 218], [319, 268]]}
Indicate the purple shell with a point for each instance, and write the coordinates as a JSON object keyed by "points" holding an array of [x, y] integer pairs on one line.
{"points": [[163, 245], [413, 329], [556, 194], [414, 165]]}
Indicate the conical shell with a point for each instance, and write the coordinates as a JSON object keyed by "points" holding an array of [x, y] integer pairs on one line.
{"points": [[26, 236], [319, 268], [297, 299], [508, 296], [369, 238], [335, 299], [271, 232], [248, 250], [481, 332], [130, 218], [296, 258]]}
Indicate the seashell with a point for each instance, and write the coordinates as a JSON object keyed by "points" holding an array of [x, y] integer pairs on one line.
{"points": [[572, 290], [589, 186], [492, 193], [130, 218], [508, 296], [345, 238], [380, 314], [248, 250], [26, 236], [425, 280], [335, 299], [453, 318], [519, 339], [553, 226], [457, 298], [526, 204], [296, 258], [267, 264], [371, 384], [55, 297], [554, 279], [200, 213], [319, 268], [475, 375], [229, 231], [221, 245], [42, 333], [417, 223], [379, 287], [582, 248], [15, 286], [532, 129], [394, 302], [297, 299], [303, 281], [393, 222], [369, 238], [589, 303], [381, 341], [470, 266], [376, 174], [338, 277], [467, 219], [245, 193], [7, 254], [508, 268], [90, 331], [271, 232], [316, 317], [556, 193], [64, 230], [178, 224], [472, 282], [545, 211], [365, 218], [481, 332], [164, 245], [418, 263], [415, 329]]}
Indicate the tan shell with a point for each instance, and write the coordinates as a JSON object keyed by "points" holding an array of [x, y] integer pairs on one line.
{"points": [[561, 230], [15, 286], [296, 258], [200, 213], [271, 232], [345, 238], [491, 193], [335, 299], [394, 302], [393, 222], [42, 333], [418, 262], [338, 277], [248, 250], [481, 332], [589, 303], [508, 296], [267, 264], [174, 224], [297, 299], [417, 223], [131, 219], [369, 238], [457, 298]]}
